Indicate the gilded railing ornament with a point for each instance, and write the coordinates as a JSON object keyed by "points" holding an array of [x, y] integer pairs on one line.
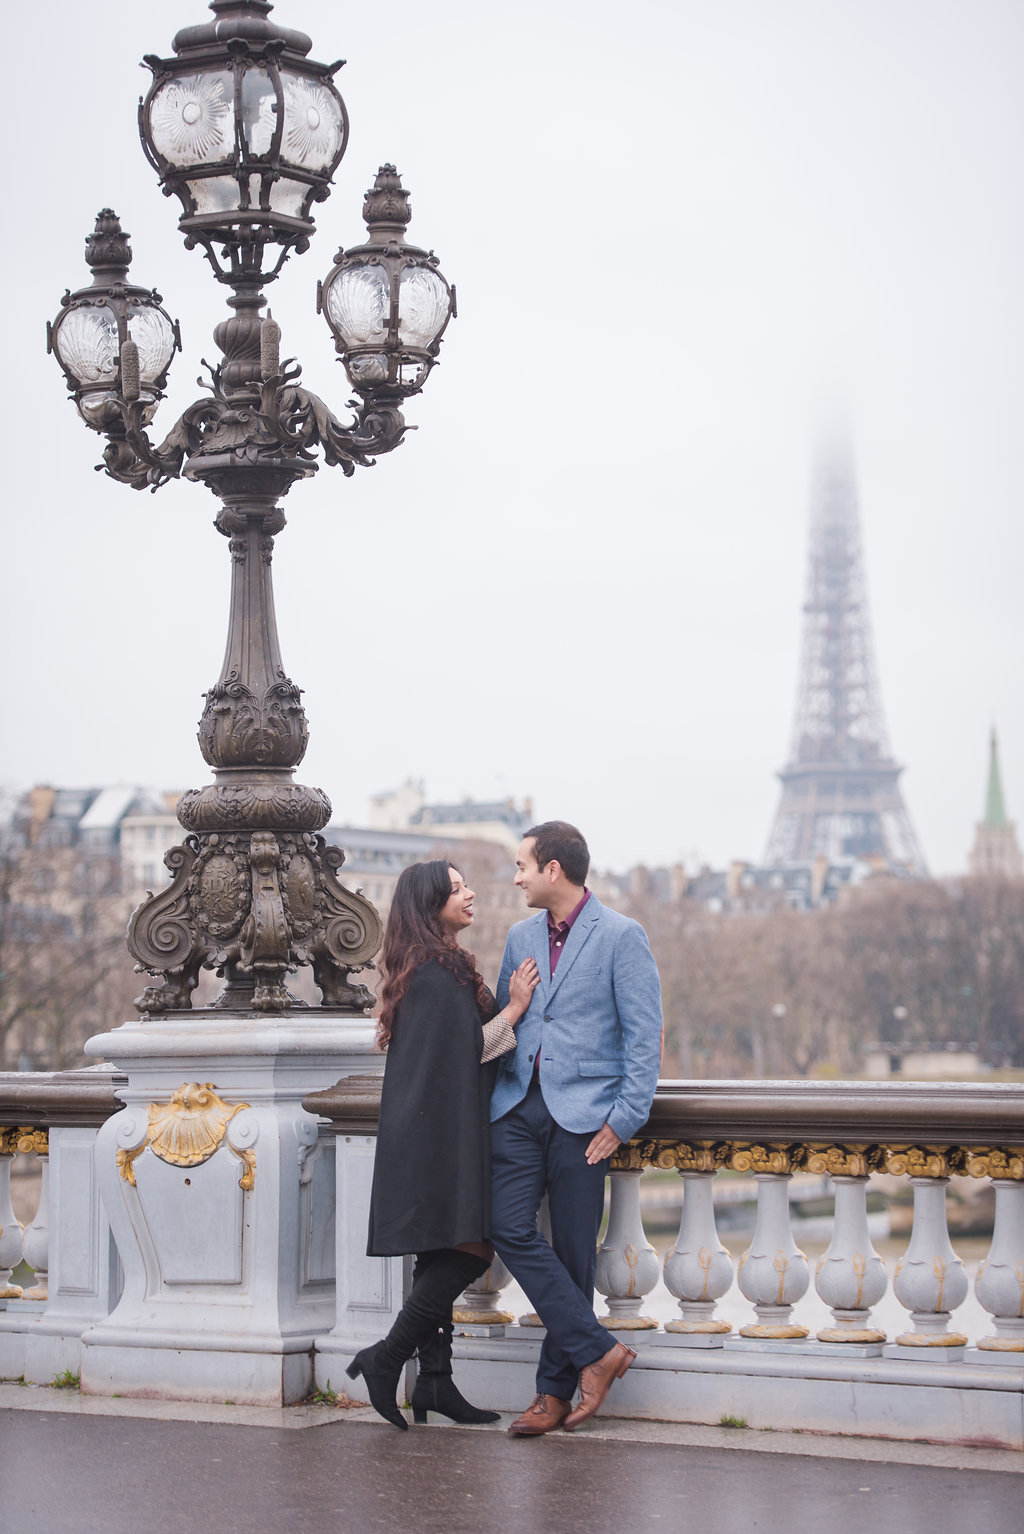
{"points": [[682, 1155], [188, 1130], [833, 1159], [32, 1141], [844, 1160], [778, 1160], [984, 1161], [126, 1156], [925, 1161]]}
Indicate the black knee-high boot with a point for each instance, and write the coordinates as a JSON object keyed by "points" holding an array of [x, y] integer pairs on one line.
{"points": [[435, 1389], [436, 1285]]}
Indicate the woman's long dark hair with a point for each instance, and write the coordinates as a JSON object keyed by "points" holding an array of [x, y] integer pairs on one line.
{"points": [[414, 935]]}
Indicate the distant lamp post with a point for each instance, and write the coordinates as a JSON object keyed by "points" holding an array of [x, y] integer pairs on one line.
{"points": [[246, 131], [900, 1015]]}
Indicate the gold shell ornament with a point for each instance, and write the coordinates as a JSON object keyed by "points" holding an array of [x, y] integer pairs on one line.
{"points": [[190, 1128]]}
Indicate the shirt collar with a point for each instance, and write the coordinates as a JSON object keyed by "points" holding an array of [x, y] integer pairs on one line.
{"points": [[564, 927]]}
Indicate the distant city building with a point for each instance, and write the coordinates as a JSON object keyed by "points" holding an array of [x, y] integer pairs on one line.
{"points": [[146, 834], [403, 828], [996, 851], [840, 789], [405, 809], [80, 817], [745, 889], [95, 825], [375, 858], [133, 826]]}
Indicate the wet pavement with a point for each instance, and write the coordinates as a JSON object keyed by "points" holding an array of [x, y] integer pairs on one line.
{"points": [[74, 1465]]}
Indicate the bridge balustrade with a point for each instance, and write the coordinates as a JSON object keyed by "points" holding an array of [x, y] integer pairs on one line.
{"points": [[52, 1117], [718, 1335], [928, 1377]]}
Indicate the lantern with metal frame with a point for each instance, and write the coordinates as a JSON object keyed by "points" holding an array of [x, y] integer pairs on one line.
{"points": [[113, 340], [247, 132], [386, 302]]}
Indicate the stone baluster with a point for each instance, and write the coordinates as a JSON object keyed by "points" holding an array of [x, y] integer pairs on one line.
{"points": [[850, 1276], [477, 1311], [10, 1227], [627, 1264], [999, 1284], [930, 1280], [773, 1270], [36, 1243], [698, 1269]]}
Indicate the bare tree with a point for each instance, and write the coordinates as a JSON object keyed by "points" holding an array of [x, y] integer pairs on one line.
{"points": [[65, 972], [790, 993]]}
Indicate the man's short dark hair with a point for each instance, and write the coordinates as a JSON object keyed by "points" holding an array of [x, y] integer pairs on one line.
{"points": [[558, 841]]}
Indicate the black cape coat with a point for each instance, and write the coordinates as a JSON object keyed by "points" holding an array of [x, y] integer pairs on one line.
{"points": [[432, 1169]]}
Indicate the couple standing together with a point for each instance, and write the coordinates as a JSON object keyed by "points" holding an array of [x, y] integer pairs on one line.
{"points": [[489, 1105]]}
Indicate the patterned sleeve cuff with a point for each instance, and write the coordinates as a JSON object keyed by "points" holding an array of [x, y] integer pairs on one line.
{"points": [[499, 1038]]}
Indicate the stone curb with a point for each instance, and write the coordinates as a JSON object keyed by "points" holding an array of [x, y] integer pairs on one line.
{"points": [[621, 1430]]}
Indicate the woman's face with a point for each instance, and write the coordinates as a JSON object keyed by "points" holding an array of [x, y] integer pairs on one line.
{"points": [[457, 911]]}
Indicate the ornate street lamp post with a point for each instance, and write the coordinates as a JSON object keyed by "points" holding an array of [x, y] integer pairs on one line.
{"points": [[246, 131], [219, 1187]]}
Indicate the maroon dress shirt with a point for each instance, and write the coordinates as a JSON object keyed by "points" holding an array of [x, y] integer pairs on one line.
{"points": [[558, 932]]}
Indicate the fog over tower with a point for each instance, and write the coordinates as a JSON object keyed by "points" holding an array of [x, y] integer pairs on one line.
{"points": [[840, 789]]}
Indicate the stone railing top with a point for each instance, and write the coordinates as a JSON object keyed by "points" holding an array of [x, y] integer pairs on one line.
{"points": [[352, 1104], [940, 1113], [59, 1099], [853, 1112]]}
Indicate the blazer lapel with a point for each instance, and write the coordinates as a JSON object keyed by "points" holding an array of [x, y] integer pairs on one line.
{"points": [[580, 931], [541, 955]]}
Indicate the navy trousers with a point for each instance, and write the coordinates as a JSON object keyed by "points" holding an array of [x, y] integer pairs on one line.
{"points": [[532, 1155]]}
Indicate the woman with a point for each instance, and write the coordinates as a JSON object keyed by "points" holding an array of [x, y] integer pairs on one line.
{"points": [[431, 1174]]}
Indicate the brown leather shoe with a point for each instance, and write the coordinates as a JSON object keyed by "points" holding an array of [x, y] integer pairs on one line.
{"points": [[596, 1381], [544, 1413]]}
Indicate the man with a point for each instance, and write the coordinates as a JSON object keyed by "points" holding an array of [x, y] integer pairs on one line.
{"points": [[579, 1083]]}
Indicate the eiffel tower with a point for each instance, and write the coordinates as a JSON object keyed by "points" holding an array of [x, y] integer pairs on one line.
{"points": [[840, 789]]}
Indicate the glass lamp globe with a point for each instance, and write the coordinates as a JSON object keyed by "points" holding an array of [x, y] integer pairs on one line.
{"points": [[246, 131], [386, 302], [95, 322]]}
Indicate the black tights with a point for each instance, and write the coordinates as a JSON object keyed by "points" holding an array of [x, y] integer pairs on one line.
{"points": [[438, 1279]]}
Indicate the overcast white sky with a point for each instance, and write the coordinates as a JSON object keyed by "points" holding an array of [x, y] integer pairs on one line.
{"points": [[680, 231]]}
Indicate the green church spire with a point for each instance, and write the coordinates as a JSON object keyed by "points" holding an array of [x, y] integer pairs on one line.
{"points": [[995, 810]]}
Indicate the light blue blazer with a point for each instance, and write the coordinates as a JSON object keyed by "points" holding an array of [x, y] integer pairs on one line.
{"points": [[596, 1023]]}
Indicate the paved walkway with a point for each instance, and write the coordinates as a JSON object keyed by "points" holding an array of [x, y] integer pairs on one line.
{"points": [[77, 1465]]}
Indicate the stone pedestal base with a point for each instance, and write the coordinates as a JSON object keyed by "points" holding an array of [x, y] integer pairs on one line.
{"points": [[480, 1328], [174, 1373], [986, 1357], [220, 1192], [673, 1339], [926, 1355]]}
